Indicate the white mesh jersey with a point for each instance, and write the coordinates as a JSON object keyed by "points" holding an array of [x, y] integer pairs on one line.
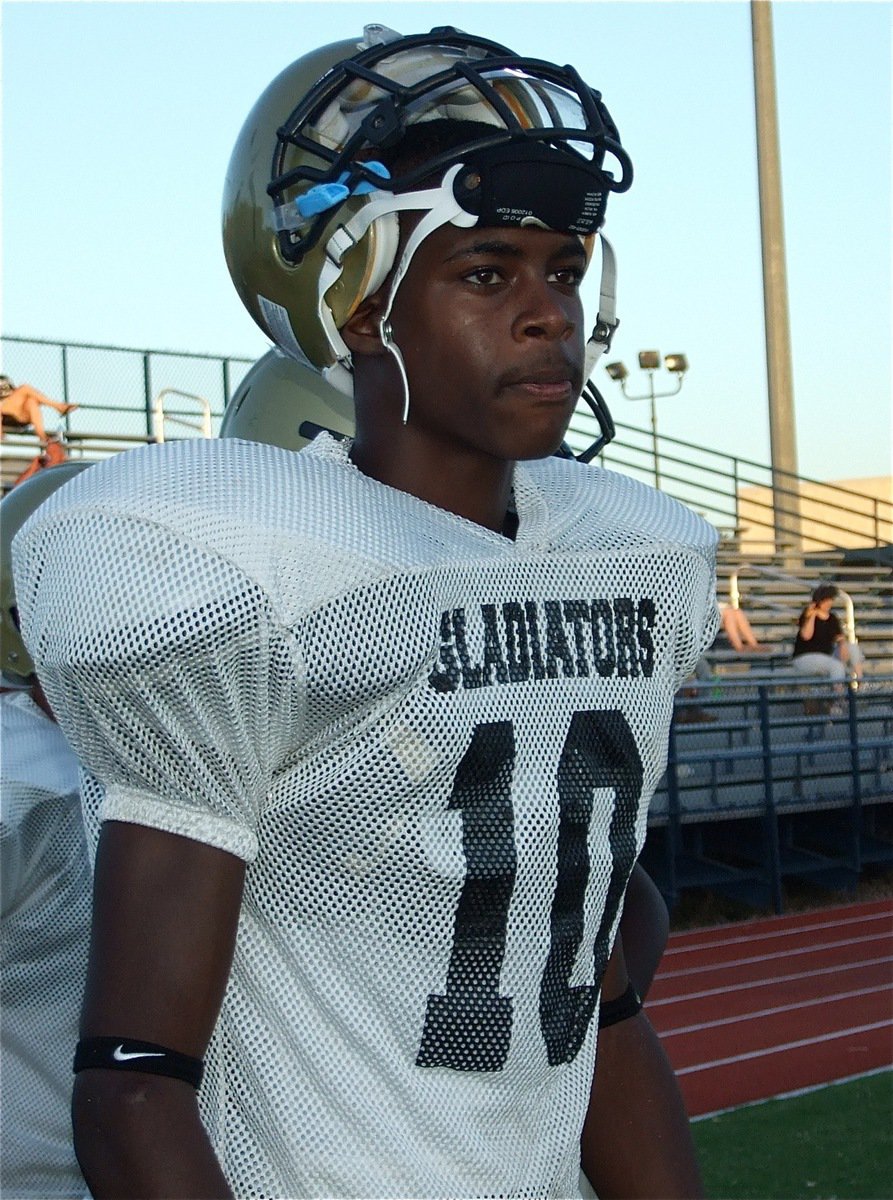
{"points": [[434, 747], [43, 951]]}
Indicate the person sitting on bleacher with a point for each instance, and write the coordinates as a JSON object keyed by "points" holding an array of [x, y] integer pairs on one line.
{"points": [[821, 647], [20, 408], [738, 631]]}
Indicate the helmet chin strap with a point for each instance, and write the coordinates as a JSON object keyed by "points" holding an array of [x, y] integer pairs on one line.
{"points": [[440, 207], [446, 211], [606, 321]]}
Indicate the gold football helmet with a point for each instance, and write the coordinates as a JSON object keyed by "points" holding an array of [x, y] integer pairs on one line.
{"points": [[285, 403], [310, 208]]}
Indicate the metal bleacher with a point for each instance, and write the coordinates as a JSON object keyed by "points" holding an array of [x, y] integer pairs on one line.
{"points": [[766, 781], [770, 776]]}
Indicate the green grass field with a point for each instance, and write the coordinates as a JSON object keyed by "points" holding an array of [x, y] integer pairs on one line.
{"points": [[831, 1144]]}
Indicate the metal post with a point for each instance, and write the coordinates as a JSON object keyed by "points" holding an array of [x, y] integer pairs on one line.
{"points": [[64, 373], [770, 816], [67, 417], [654, 432], [855, 771], [147, 395], [782, 428], [653, 396]]}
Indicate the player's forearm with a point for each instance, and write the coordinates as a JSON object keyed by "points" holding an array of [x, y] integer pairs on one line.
{"points": [[644, 928], [636, 1142], [141, 1136]]}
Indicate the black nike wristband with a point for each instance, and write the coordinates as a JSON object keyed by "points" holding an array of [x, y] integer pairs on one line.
{"points": [[131, 1054]]}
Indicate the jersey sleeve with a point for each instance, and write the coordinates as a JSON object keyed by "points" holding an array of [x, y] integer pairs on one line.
{"points": [[165, 667]]}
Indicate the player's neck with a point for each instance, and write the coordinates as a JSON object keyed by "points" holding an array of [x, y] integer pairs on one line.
{"points": [[474, 486]]}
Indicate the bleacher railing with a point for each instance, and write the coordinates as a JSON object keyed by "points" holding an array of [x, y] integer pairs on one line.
{"points": [[114, 387], [775, 755], [161, 413], [736, 494]]}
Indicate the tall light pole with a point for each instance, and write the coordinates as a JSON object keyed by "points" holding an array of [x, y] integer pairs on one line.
{"points": [[649, 361], [782, 429]]}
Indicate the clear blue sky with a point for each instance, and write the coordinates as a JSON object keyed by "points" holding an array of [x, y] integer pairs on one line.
{"points": [[118, 121]]}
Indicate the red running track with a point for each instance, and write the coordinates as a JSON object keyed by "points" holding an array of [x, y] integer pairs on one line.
{"points": [[759, 1009]]}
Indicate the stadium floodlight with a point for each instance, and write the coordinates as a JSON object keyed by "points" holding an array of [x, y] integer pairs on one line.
{"points": [[649, 360], [677, 363]]}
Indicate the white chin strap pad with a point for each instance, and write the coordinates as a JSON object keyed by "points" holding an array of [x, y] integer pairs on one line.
{"points": [[445, 210], [606, 320], [442, 209]]}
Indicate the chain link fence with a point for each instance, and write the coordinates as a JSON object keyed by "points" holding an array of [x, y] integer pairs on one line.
{"points": [[115, 387]]}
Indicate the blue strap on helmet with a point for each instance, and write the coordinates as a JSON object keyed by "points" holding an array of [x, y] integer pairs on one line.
{"points": [[327, 195]]}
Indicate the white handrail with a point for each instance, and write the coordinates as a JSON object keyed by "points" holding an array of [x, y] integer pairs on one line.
{"points": [[849, 617], [159, 417], [734, 594]]}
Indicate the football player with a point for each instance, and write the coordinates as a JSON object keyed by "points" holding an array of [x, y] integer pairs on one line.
{"points": [[377, 723], [45, 879], [286, 403]]}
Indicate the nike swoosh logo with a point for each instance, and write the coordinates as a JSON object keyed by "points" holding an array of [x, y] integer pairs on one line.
{"points": [[120, 1055]]}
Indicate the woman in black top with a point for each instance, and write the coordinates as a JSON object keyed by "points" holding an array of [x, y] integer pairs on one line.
{"points": [[821, 647]]}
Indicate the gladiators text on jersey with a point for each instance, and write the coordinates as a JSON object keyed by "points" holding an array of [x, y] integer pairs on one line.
{"points": [[524, 640]]}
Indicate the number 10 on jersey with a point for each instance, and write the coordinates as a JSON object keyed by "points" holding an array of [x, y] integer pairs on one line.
{"points": [[469, 1026]]}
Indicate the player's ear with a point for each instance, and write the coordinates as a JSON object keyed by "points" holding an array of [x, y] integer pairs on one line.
{"points": [[362, 332]]}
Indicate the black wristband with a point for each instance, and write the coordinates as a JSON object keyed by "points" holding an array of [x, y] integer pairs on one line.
{"points": [[131, 1054], [621, 1008]]}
